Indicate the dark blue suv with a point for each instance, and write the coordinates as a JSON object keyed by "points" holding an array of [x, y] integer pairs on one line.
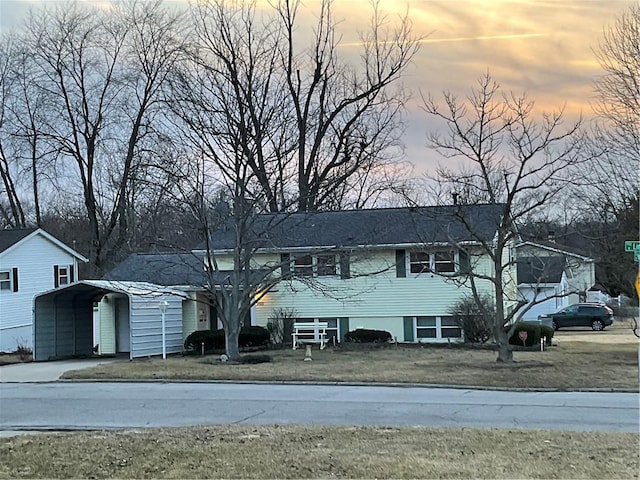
{"points": [[594, 315]]}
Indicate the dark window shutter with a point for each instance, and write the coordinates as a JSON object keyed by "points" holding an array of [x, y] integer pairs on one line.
{"points": [[56, 279], [345, 267], [14, 274], [401, 266], [72, 277], [408, 329], [465, 262], [285, 265], [344, 328]]}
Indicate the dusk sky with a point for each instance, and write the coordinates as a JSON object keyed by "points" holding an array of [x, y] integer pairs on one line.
{"points": [[541, 47]]}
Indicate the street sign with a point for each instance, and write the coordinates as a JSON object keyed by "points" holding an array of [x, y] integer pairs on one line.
{"points": [[638, 287], [631, 245], [636, 255]]}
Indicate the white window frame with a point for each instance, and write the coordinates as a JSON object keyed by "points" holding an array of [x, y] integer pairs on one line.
{"points": [[438, 329], [433, 263], [303, 269], [6, 281], [64, 273]]}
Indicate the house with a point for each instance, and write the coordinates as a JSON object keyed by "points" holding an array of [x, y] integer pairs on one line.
{"points": [[552, 276], [31, 261], [395, 269]]}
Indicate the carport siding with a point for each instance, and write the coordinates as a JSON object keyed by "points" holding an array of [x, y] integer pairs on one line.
{"points": [[146, 326]]}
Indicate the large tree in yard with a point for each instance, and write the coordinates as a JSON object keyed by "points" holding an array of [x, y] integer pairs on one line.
{"points": [[277, 129], [505, 155]]}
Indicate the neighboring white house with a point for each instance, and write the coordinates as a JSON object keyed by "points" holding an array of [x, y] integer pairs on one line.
{"points": [[31, 262], [552, 276]]}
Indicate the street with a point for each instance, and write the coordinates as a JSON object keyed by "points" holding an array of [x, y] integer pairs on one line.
{"points": [[98, 405]]}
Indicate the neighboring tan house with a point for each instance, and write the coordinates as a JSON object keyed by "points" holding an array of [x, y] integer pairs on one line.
{"points": [[553, 276], [31, 262]]}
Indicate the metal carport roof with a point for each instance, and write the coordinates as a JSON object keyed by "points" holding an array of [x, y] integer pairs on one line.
{"points": [[63, 318]]}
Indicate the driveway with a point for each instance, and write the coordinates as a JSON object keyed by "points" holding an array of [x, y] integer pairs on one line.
{"points": [[32, 372]]}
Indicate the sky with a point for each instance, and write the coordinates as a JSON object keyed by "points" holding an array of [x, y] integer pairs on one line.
{"points": [[543, 48]]}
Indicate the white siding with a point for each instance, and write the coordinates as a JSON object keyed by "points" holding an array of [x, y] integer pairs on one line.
{"points": [[34, 259]]}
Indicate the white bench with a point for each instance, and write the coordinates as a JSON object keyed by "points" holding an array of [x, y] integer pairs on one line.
{"points": [[310, 332]]}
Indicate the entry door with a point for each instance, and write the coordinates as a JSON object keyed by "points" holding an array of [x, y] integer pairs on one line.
{"points": [[123, 338]]}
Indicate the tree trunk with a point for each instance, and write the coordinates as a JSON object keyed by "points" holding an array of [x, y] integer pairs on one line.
{"points": [[231, 334], [505, 352]]}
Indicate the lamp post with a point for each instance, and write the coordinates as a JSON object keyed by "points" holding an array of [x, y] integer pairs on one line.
{"points": [[163, 310]]}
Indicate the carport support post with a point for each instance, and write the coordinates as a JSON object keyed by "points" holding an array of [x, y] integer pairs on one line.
{"points": [[163, 310]]}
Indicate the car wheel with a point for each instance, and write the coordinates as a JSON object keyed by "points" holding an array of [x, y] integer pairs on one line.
{"points": [[554, 324], [597, 324]]}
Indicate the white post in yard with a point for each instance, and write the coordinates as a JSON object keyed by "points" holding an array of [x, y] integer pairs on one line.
{"points": [[163, 310]]}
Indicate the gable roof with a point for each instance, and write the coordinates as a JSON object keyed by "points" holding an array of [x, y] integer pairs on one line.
{"points": [[12, 238], [372, 228], [557, 248], [160, 269], [535, 270], [8, 238]]}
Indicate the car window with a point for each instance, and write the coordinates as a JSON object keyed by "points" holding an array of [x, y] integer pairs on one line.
{"points": [[571, 309]]}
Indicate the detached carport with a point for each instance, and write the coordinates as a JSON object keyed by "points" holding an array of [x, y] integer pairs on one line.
{"points": [[132, 316]]}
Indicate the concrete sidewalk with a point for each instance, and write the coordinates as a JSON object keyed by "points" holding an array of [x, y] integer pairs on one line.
{"points": [[32, 372]]}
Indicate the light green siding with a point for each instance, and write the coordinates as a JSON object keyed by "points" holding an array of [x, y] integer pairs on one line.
{"points": [[189, 317], [107, 340], [378, 301]]}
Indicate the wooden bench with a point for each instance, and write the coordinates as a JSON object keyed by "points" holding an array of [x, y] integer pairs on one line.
{"points": [[310, 332]]}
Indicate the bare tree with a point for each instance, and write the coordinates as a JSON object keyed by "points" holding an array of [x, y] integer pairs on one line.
{"points": [[507, 158], [234, 103], [12, 212], [102, 72], [606, 199], [346, 117]]}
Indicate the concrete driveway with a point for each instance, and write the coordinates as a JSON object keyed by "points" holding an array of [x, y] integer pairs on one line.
{"points": [[33, 372]]}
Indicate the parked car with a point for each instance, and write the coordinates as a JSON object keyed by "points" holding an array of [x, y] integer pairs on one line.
{"points": [[594, 315]]}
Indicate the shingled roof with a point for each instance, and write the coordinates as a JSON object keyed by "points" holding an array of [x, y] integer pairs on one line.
{"points": [[371, 228], [160, 269], [8, 238]]}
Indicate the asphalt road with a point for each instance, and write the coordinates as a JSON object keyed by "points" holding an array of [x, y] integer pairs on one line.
{"points": [[58, 406]]}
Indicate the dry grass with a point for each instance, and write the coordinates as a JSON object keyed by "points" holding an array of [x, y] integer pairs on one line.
{"points": [[321, 452], [580, 360]]}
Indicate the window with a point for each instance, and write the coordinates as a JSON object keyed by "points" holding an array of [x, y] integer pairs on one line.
{"points": [[63, 275], [5, 280], [426, 327], [317, 265], [449, 328], [303, 266], [419, 262], [326, 265], [443, 261], [437, 328]]}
